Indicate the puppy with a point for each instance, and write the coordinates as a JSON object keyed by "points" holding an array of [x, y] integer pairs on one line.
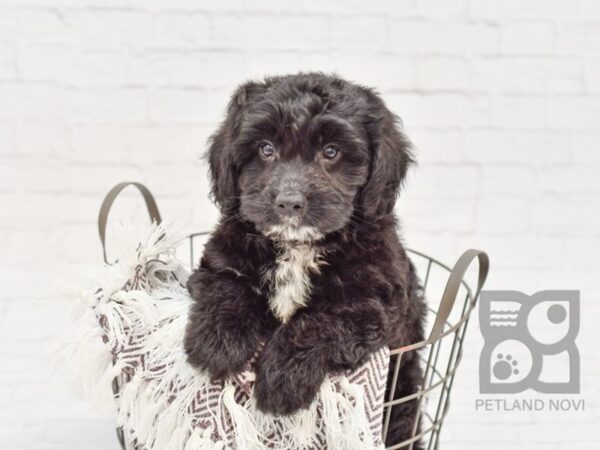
{"points": [[306, 259]]}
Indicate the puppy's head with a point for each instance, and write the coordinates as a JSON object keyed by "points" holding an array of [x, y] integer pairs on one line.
{"points": [[299, 155]]}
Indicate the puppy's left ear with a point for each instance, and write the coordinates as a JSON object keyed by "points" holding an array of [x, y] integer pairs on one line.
{"points": [[390, 159]]}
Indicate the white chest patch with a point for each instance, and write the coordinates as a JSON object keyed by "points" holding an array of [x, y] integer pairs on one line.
{"points": [[290, 279]]}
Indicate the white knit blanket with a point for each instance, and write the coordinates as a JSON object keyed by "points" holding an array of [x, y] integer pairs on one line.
{"points": [[131, 325]]}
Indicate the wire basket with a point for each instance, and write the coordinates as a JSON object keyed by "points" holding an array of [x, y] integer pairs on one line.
{"points": [[440, 353]]}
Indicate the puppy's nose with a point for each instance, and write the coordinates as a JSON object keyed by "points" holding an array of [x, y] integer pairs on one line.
{"points": [[290, 204]]}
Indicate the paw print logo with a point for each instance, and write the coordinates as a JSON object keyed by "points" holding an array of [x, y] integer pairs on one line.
{"points": [[529, 342], [505, 367]]}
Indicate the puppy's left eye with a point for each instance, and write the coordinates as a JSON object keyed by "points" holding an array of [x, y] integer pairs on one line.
{"points": [[330, 152]]}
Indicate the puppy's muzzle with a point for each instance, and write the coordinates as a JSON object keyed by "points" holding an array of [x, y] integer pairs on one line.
{"points": [[290, 200], [290, 204]]}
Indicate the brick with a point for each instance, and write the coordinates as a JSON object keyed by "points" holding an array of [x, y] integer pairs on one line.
{"points": [[270, 6], [520, 112], [510, 146], [431, 215], [585, 147], [14, 102], [7, 138], [523, 180], [359, 31], [31, 178], [9, 24], [589, 9], [577, 112], [442, 9], [564, 76], [305, 32], [33, 211], [46, 62], [405, 8], [99, 143], [569, 178], [442, 73], [440, 244], [188, 105], [99, 105], [98, 66], [566, 215], [257, 63], [576, 38], [582, 254], [91, 433], [592, 74], [520, 252], [42, 137], [551, 433], [504, 215], [15, 435], [528, 38], [177, 208], [437, 109], [315, 60], [8, 58], [479, 111], [204, 213], [42, 321], [23, 243], [109, 28], [76, 244], [503, 434], [445, 38], [524, 9], [444, 180], [181, 29], [193, 69], [166, 143], [518, 74], [186, 173], [33, 23], [116, 4], [387, 72], [36, 102], [88, 180], [194, 5], [438, 146]]}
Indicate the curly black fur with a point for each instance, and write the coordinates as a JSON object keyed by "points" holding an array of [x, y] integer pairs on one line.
{"points": [[363, 295]]}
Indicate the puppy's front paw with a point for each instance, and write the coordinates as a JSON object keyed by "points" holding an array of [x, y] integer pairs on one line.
{"points": [[282, 398], [285, 386], [220, 362]]}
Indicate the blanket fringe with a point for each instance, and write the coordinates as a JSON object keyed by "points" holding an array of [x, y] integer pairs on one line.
{"points": [[246, 434]]}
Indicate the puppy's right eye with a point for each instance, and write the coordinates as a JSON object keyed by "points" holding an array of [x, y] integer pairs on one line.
{"points": [[266, 150]]}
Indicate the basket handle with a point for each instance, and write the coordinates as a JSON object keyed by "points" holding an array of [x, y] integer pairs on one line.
{"points": [[453, 285], [109, 200]]}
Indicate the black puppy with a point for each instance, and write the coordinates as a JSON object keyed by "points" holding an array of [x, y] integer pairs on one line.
{"points": [[306, 258]]}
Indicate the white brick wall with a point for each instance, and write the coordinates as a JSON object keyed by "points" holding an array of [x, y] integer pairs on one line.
{"points": [[501, 98]]}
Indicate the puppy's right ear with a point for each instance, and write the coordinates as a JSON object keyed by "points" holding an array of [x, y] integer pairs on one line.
{"points": [[391, 158], [222, 162]]}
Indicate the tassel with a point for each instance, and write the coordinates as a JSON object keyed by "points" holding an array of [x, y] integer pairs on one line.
{"points": [[246, 435], [331, 416], [356, 425]]}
